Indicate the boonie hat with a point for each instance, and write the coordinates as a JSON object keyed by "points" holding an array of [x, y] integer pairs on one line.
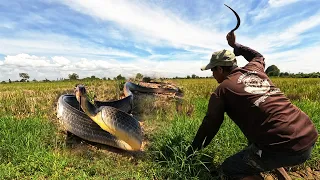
{"points": [[221, 58]]}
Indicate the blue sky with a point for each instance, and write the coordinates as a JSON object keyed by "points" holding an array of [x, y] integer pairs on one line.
{"points": [[158, 38]]}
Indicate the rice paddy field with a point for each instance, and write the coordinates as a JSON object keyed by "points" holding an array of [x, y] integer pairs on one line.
{"points": [[33, 144]]}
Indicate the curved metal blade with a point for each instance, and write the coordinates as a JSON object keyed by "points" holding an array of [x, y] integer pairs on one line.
{"points": [[238, 18]]}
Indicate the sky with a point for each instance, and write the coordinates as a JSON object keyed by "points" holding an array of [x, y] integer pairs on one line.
{"points": [[159, 38]]}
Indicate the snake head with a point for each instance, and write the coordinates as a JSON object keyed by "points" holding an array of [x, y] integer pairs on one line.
{"points": [[80, 90]]}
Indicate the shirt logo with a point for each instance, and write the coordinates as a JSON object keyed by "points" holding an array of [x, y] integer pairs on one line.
{"points": [[253, 83]]}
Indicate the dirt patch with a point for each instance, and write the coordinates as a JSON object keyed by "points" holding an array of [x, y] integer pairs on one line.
{"points": [[307, 173], [304, 173]]}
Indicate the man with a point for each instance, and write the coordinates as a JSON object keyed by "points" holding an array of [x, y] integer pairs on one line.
{"points": [[280, 134]]}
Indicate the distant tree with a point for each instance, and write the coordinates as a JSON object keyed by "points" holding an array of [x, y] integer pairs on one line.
{"points": [[284, 74], [109, 78], [273, 70], [3, 82], [193, 76], [45, 80], [104, 78], [9, 80], [24, 77], [139, 76], [188, 77], [314, 75], [93, 77], [146, 79], [120, 78], [73, 76], [34, 80]]}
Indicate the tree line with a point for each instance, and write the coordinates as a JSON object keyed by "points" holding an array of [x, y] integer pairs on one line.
{"points": [[274, 71], [271, 71]]}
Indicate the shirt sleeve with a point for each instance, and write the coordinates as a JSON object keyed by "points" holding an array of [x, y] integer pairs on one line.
{"points": [[256, 60], [211, 122]]}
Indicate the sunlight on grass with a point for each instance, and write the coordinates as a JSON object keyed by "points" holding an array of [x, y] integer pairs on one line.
{"points": [[33, 144]]}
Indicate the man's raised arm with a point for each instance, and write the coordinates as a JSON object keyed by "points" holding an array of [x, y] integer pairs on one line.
{"points": [[248, 53]]}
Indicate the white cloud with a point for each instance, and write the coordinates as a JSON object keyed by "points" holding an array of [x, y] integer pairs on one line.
{"points": [[301, 27], [50, 43], [60, 60], [60, 67], [8, 25], [154, 25], [279, 3], [303, 60], [26, 60], [286, 38], [273, 7], [150, 23], [52, 68]]}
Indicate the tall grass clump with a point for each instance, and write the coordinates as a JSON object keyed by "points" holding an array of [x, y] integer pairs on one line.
{"points": [[171, 143], [169, 147], [312, 109]]}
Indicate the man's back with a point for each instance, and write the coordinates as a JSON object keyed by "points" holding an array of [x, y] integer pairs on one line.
{"points": [[260, 109], [280, 134]]}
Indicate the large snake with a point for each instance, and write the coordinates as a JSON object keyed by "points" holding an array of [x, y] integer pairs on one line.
{"points": [[238, 18], [104, 122]]}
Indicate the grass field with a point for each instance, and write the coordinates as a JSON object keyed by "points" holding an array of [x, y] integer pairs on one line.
{"points": [[34, 145]]}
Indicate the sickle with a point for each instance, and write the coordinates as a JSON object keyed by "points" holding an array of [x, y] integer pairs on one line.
{"points": [[238, 18]]}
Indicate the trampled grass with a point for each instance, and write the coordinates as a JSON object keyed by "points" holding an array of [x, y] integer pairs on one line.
{"points": [[34, 145]]}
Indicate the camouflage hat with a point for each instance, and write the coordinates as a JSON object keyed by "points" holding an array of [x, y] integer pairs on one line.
{"points": [[221, 58]]}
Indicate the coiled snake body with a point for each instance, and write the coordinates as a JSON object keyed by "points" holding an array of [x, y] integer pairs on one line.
{"points": [[105, 122]]}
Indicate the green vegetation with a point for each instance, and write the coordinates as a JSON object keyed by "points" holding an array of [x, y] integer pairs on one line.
{"points": [[34, 145], [273, 70], [73, 76], [24, 77], [139, 77]]}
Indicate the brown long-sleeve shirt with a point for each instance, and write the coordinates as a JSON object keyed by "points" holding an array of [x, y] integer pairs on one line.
{"points": [[262, 112]]}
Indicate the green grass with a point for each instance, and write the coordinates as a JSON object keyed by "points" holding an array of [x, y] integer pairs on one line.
{"points": [[34, 145], [25, 146], [30, 149]]}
